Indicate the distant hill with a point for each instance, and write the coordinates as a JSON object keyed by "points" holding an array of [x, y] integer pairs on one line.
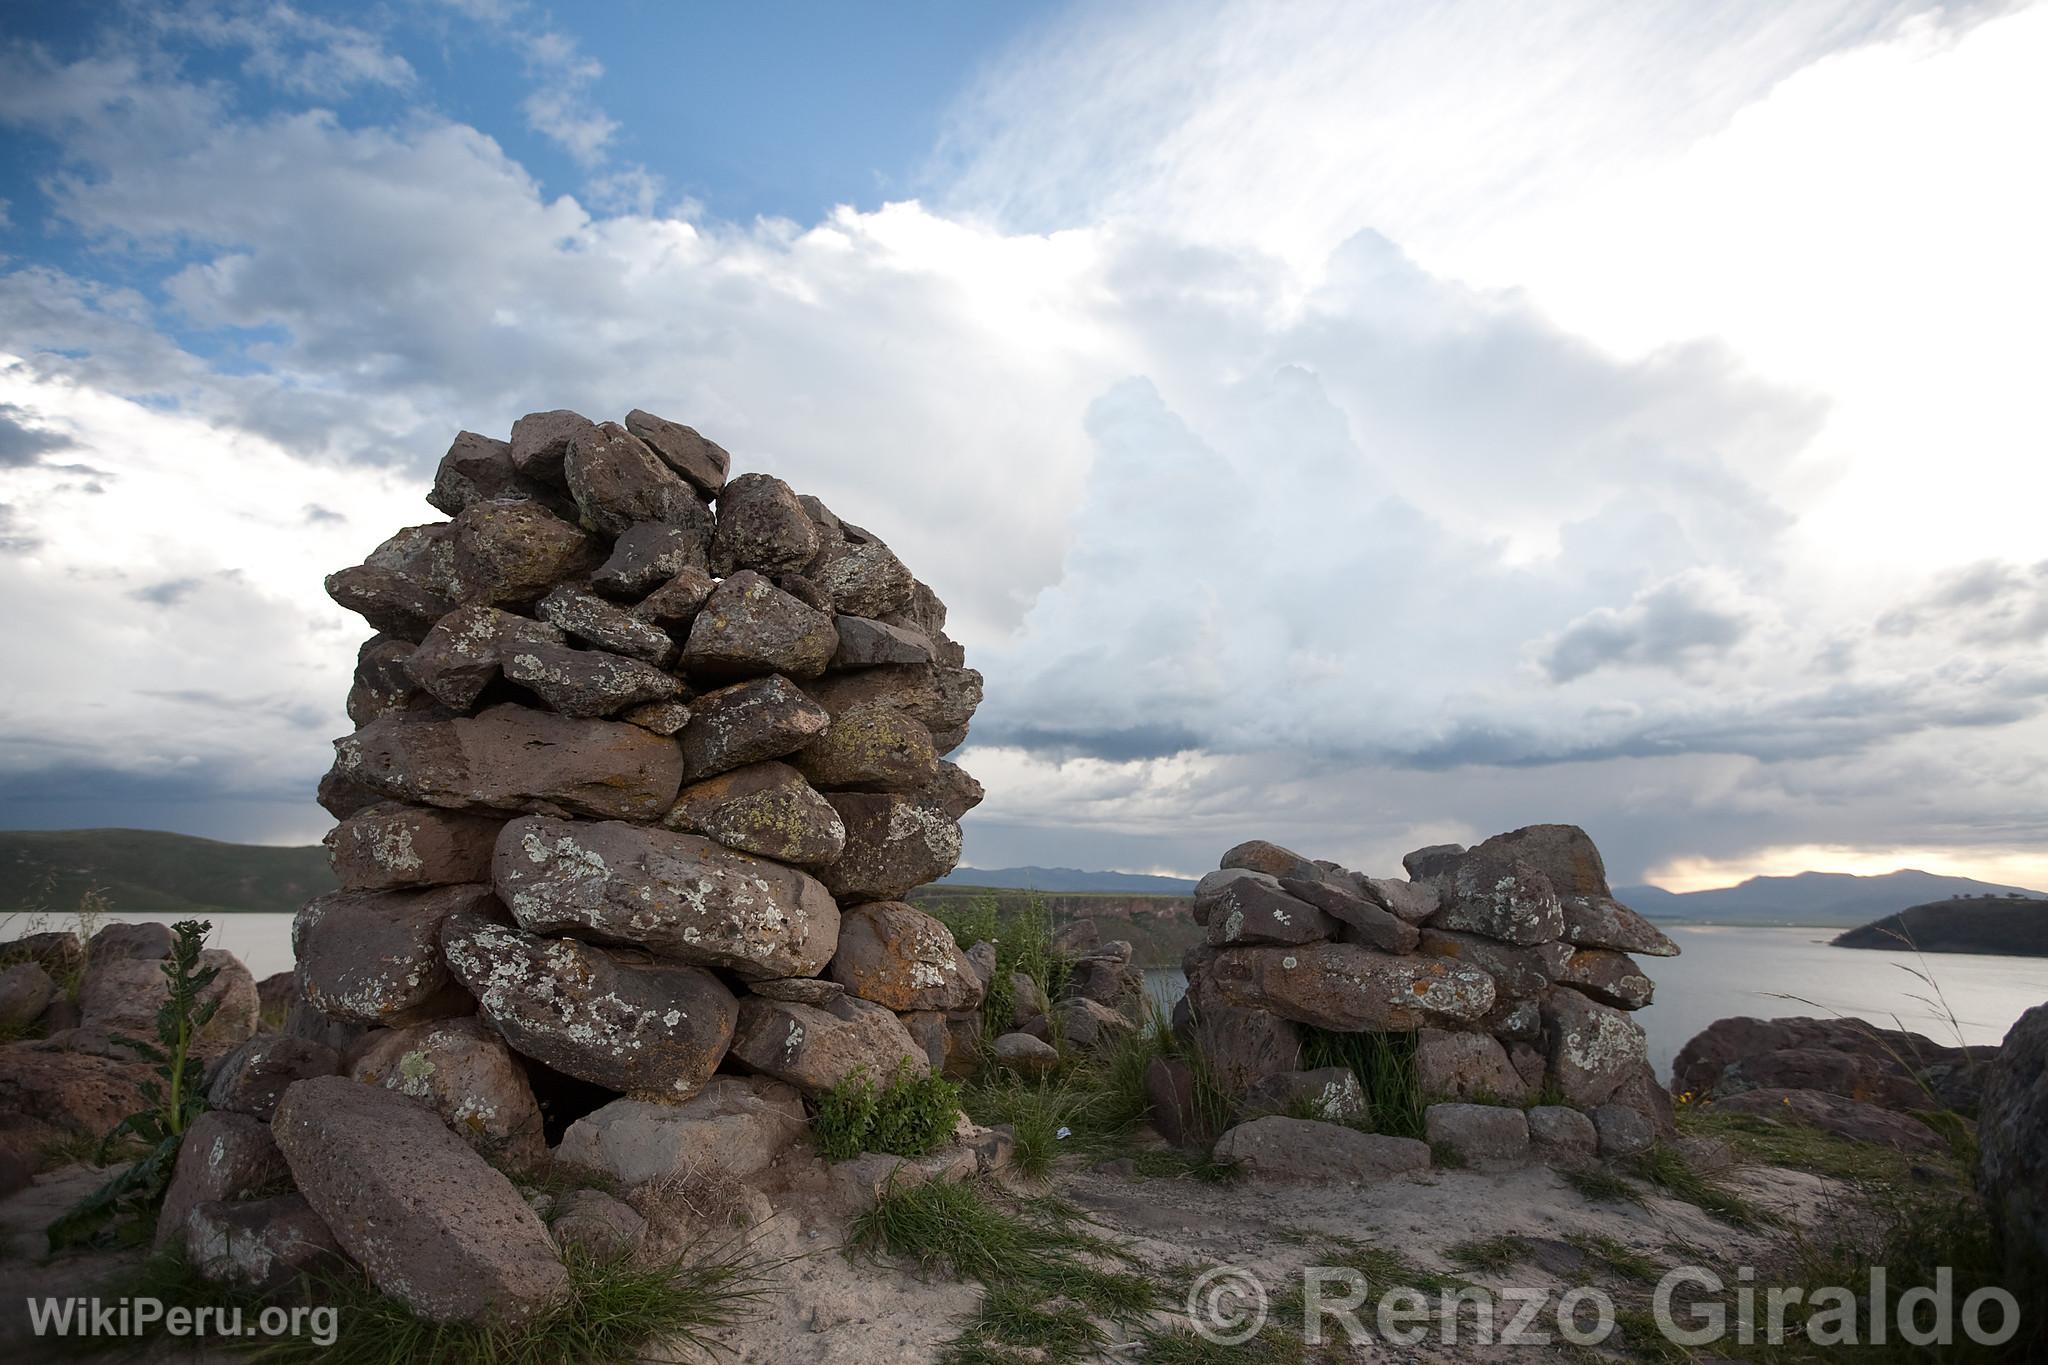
{"points": [[1820, 898], [1067, 879], [2015, 928], [150, 871]]}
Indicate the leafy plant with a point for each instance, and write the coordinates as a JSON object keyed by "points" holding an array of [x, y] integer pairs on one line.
{"points": [[119, 1209], [912, 1115]]}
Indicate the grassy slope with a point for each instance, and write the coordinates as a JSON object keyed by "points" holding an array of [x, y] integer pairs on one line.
{"points": [[2017, 928], [150, 871]]}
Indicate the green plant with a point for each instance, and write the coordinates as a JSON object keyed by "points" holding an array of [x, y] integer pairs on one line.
{"points": [[119, 1209], [1667, 1168], [912, 1115], [1600, 1185], [1385, 1066], [1489, 1254], [1023, 943], [1617, 1257]]}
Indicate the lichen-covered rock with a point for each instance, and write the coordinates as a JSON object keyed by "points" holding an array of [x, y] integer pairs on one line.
{"points": [[704, 463], [429, 1220], [761, 526], [1243, 906], [516, 758], [252, 1078], [464, 652], [871, 748], [674, 604], [266, 1245], [897, 955], [815, 1047], [1351, 989], [953, 791], [868, 644], [1609, 977], [223, 1156], [1483, 1135], [1360, 920], [1847, 1057], [615, 1018], [1502, 899], [1277, 1148], [372, 957], [894, 843], [509, 553], [1593, 1048], [383, 682], [463, 1071], [1409, 902], [1623, 1131], [736, 1127], [1600, 922], [748, 722], [664, 718], [679, 896], [861, 579], [617, 481], [1465, 1066], [391, 845], [540, 444], [1260, 855], [391, 602], [587, 682], [765, 808], [749, 627], [649, 554], [1329, 1093], [606, 625], [1557, 1131], [1518, 973], [479, 469]]}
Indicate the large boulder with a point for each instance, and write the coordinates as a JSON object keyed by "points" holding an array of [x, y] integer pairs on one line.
{"points": [[894, 844], [391, 845], [897, 955], [617, 481], [223, 1156], [617, 1019], [2012, 1166], [734, 1128], [509, 553], [765, 808], [1239, 905], [815, 1047], [428, 1219], [704, 463], [761, 526], [373, 957], [465, 652], [750, 627], [679, 896], [1262, 855], [1277, 1148], [251, 1079], [748, 723], [1568, 860], [1846, 1057], [587, 682], [1330, 1093], [1499, 898], [1465, 1066], [120, 998], [649, 555], [1592, 1048], [151, 940], [516, 758], [1351, 989], [463, 1071]]}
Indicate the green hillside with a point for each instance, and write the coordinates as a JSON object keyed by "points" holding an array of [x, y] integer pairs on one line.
{"points": [[2011, 926], [150, 871]]}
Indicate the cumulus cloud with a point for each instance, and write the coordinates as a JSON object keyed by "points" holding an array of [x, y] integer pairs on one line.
{"points": [[1670, 625]]}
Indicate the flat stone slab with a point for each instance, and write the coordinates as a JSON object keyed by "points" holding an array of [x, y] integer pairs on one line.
{"points": [[1283, 1149]]}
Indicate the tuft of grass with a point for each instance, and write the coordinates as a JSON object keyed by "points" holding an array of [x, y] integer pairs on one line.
{"points": [[614, 1310], [1602, 1186], [1666, 1168], [1616, 1257], [1385, 1066], [912, 1115], [1490, 1255], [1023, 940]]}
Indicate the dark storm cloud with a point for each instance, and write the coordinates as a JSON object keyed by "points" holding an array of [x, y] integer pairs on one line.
{"points": [[1668, 626]]}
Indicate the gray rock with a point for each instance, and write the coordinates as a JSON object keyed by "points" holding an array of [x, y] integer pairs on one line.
{"points": [[765, 808], [871, 748], [863, 579], [223, 1156], [676, 603], [465, 651], [761, 526], [1089, 1025], [649, 554], [1623, 1131], [25, 992], [1432, 864], [1259, 855], [603, 625], [1252, 908], [1024, 1054], [1329, 1093], [594, 1222], [373, 957], [1351, 989], [1410, 902], [252, 1078], [426, 1217], [1277, 1148], [266, 1245], [618, 481], [1465, 1066], [120, 997], [816, 1047], [750, 627], [704, 463], [803, 990], [616, 1019], [865, 644], [1500, 899], [146, 940], [748, 723], [2012, 1167], [509, 553], [679, 896], [390, 846], [540, 443], [391, 602], [736, 1127], [464, 1072], [1484, 1135], [1592, 1048], [894, 844], [1361, 921], [587, 682], [1562, 1133], [982, 957], [897, 955], [517, 758], [1239, 1046], [1609, 977], [1028, 998]]}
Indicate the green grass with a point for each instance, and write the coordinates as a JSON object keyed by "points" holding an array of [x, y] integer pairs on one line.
{"points": [[1600, 1185], [1023, 940], [613, 1310], [1666, 1168], [1385, 1066], [1796, 1146], [1617, 1258], [153, 872], [912, 1115], [1490, 1255]]}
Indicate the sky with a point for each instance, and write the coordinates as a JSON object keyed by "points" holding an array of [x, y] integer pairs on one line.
{"points": [[1360, 425]]}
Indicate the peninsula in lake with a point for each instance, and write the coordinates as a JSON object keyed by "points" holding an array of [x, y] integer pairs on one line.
{"points": [[2014, 926]]}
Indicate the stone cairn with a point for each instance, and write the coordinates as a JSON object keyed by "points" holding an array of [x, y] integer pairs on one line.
{"points": [[635, 790], [1504, 967]]}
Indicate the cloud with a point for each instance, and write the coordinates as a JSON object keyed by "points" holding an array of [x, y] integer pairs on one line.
{"points": [[1990, 603], [299, 53], [1669, 625], [25, 445]]}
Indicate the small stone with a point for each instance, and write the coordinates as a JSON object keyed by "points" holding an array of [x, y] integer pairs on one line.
{"points": [[540, 443], [1465, 1066], [1362, 921], [464, 1072], [477, 469], [603, 625], [982, 957], [953, 791], [1410, 902], [1508, 901], [814, 1048], [1024, 1054], [1277, 1148], [749, 627], [676, 603], [391, 845], [765, 808], [761, 526], [1258, 855], [1090, 1026], [871, 748], [704, 463], [222, 1156], [1623, 1131], [1609, 977], [594, 1222], [864, 644], [1602, 922], [736, 1127], [649, 554], [951, 1039], [1484, 1135], [392, 603], [665, 718], [802, 990], [1518, 973], [747, 723], [1558, 1132], [383, 684], [266, 1245], [1241, 906], [25, 992]]}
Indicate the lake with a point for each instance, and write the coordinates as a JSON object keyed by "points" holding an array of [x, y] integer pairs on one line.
{"points": [[1724, 970]]}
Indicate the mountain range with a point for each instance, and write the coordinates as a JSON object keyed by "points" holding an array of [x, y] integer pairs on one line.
{"points": [[1821, 898], [1067, 880]]}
